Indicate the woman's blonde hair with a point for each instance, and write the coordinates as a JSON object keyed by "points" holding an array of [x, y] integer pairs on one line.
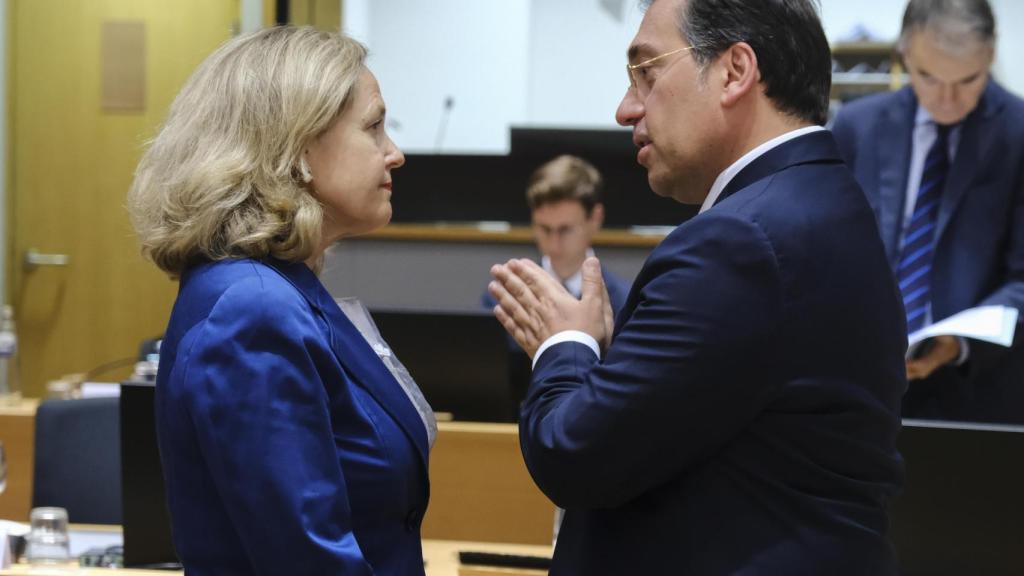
{"points": [[221, 179]]}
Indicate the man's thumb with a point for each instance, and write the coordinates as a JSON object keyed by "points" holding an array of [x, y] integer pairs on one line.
{"points": [[593, 283]]}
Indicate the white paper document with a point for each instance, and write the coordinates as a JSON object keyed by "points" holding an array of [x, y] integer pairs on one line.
{"points": [[995, 324]]}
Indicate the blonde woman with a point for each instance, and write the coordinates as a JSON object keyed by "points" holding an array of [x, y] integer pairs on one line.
{"points": [[289, 446]]}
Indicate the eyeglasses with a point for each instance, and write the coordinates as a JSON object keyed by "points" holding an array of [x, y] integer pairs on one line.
{"points": [[639, 80]]}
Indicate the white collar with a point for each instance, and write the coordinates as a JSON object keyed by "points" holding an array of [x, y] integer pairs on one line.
{"points": [[729, 173], [574, 283], [922, 116]]}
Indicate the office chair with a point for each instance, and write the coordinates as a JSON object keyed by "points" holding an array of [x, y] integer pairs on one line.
{"points": [[78, 459]]}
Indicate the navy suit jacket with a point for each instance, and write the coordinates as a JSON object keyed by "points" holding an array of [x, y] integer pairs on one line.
{"points": [[287, 446], [979, 250], [743, 420]]}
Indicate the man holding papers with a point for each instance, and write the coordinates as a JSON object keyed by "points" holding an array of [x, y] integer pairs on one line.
{"points": [[942, 163]]}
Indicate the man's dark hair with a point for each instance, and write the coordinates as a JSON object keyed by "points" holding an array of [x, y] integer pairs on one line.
{"points": [[951, 19], [792, 52]]}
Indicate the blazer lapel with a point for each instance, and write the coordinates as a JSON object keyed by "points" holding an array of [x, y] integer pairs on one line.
{"points": [[367, 369], [971, 153], [357, 357], [895, 137]]}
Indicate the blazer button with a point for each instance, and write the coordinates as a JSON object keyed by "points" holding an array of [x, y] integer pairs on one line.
{"points": [[412, 520]]}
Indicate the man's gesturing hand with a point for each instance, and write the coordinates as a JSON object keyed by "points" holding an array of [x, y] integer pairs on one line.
{"points": [[533, 306]]}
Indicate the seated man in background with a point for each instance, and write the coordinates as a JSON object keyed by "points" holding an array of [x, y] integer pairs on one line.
{"points": [[941, 163], [564, 196]]}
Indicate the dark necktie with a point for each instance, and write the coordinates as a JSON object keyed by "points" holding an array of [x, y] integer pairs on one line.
{"points": [[915, 266]]}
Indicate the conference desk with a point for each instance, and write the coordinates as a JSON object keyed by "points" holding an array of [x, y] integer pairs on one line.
{"points": [[480, 491], [18, 433], [441, 557], [480, 488]]}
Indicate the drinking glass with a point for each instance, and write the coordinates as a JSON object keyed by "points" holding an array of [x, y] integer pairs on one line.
{"points": [[48, 537]]}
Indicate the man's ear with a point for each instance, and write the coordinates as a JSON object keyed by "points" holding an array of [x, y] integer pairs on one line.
{"points": [[739, 66], [596, 219]]}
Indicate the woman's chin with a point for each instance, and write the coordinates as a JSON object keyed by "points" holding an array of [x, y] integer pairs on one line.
{"points": [[384, 220]]}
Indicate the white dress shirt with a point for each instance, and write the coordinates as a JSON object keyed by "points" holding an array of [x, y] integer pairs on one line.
{"points": [[574, 283]]}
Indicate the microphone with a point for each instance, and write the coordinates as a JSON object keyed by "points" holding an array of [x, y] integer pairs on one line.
{"points": [[446, 111]]}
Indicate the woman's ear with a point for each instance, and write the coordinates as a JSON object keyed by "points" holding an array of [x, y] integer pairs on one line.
{"points": [[304, 171], [742, 73]]}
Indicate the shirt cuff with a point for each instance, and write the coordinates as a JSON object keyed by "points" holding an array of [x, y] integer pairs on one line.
{"points": [[567, 336], [965, 351]]}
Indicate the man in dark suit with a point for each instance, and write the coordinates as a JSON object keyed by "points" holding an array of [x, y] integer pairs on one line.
{"points": [[942, 163], [566, 212], [740, 417]]}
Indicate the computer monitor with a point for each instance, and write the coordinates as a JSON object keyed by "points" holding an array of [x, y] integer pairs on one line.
{"points": [[147, 524], [962, 507], [464, 362]]}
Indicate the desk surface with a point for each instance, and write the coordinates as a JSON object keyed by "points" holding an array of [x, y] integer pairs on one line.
{"points": [[648, 237], [442, 559]]}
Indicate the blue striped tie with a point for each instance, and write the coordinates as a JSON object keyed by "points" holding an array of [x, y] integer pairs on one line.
{"points": [[914, 271]]}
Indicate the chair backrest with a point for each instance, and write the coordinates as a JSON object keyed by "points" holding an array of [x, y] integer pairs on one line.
{"points": [[78, 459]]}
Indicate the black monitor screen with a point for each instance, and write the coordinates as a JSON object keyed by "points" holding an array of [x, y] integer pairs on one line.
{"points": [[147, 524], [464, 363], [962, 507]]}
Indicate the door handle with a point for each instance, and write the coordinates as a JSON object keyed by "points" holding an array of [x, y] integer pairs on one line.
{"points": [[35, 259]]}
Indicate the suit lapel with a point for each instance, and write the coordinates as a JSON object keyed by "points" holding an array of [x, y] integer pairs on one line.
{"points": [[971, 153], [895, 138], [814, 147], [357, 357]]}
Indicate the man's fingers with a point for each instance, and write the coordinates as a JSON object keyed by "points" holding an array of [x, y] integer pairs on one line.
{"points": [[518, 332], [511, 306], [546, 293], [539, 282], [911, 372], [917, 369], [525, 339], [517, 300], [508, 276]]}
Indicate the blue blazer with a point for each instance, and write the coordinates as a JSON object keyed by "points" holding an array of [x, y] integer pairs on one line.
{"points": [[287, 446], [744, 419], [979, 251]]}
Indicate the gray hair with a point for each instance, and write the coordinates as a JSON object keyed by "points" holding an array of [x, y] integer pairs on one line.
{"points": [[954, 22], [221, 178]]}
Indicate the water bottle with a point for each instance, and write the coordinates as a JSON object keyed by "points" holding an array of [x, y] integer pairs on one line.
{"points": [[146, 370], [9, 392]]}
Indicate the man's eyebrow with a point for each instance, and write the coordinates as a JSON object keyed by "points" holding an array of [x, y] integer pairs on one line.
{"points": [[638, 49], [964, 80], [970, 78]]}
